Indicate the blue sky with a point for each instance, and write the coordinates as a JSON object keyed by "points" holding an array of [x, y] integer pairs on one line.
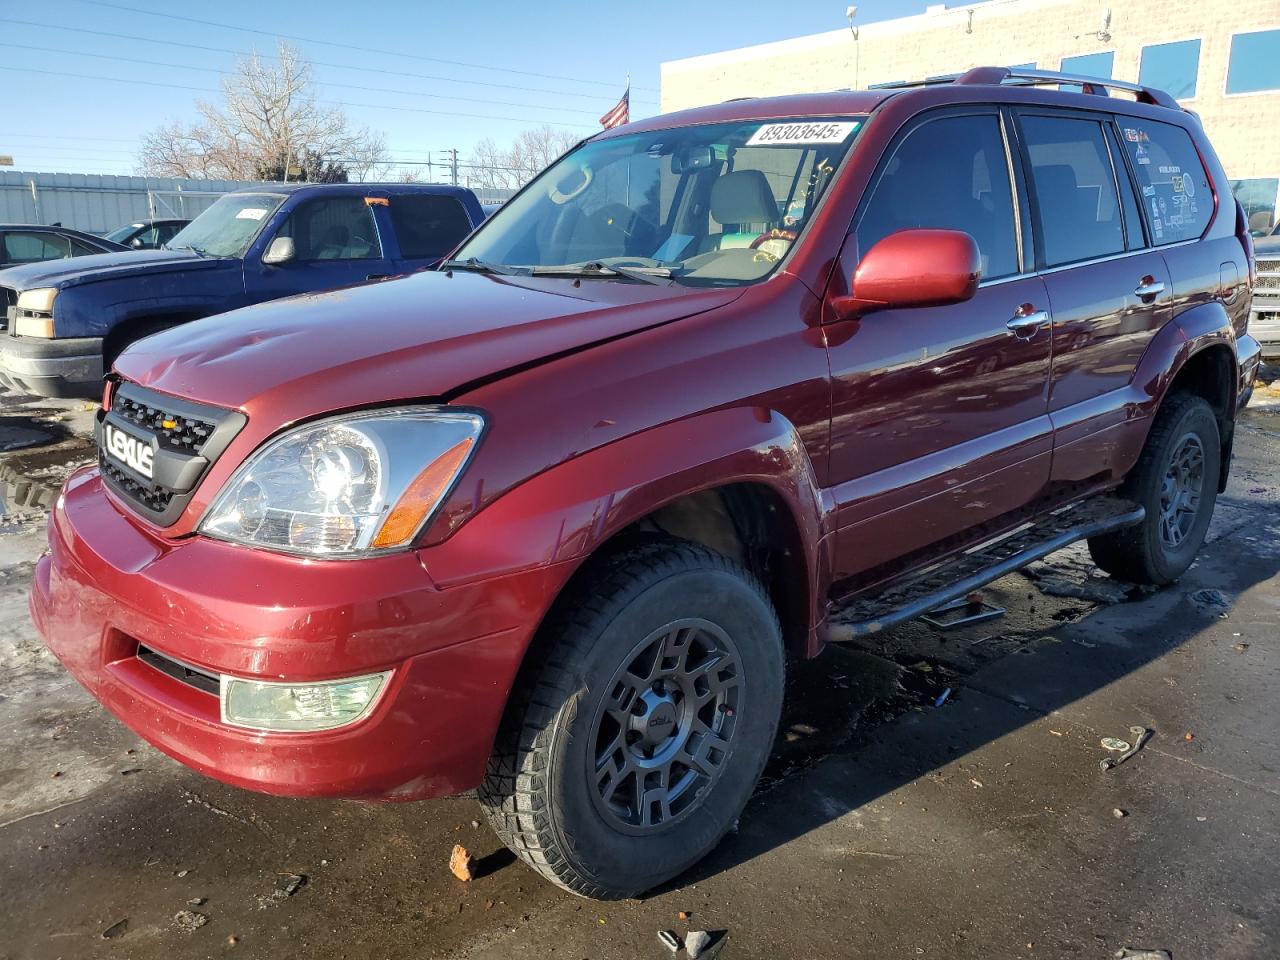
{"points": [[558, 62]]}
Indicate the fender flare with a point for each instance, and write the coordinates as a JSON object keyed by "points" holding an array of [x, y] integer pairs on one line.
{"points": [[563, 515], [1193, 331]]}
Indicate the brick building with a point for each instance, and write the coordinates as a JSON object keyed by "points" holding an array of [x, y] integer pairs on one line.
{"points": [[1220, 58]]}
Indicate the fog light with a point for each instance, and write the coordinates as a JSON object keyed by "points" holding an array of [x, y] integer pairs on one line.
{"points": [[263, 705]]}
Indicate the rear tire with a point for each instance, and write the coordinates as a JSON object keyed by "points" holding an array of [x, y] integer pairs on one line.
{"points": [[1176, 480], [641, 723]]}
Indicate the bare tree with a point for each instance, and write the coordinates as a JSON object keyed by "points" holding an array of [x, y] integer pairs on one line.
{"points": [[527, 156], [268, 126]]}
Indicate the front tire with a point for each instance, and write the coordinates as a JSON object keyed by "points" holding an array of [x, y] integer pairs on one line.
{"points": [[1176, 480], [641, 724]]}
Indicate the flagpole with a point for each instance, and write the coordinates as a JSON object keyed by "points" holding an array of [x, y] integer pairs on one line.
{"points": [[627, 94]]}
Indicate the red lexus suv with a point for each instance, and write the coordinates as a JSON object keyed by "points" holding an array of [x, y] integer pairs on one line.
{"points": [[714, 390]]}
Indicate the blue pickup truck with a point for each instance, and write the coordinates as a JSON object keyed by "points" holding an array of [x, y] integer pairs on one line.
{"points": [[68, 320]]}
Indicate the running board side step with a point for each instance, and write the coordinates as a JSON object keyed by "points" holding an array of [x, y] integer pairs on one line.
{"points": [[918, 593]]}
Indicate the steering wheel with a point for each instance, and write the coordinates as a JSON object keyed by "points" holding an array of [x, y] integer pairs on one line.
{"points": [[558, 196], [772, 245], [774, 234]]}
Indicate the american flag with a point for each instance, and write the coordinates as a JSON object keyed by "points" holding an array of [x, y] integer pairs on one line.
{"points": [[620, 114]]}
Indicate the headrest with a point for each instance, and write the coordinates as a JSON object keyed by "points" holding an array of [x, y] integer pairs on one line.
{"points": [[743, 197]]}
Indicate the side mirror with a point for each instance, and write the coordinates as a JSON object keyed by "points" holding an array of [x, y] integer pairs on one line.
{"points": [[280, 251], [913, 268]]}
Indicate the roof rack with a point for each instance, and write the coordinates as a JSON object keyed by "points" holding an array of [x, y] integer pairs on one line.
{"points": [[1039, 78]]}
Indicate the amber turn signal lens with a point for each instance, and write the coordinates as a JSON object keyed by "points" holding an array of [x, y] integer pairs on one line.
{"points": [[422, 496]]}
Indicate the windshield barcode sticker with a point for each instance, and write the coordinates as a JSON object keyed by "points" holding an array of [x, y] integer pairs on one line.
{"points": [[251, 213], [825, 131]]}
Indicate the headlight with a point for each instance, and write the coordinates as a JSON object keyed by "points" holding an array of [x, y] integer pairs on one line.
{"points": [[346, 486], [34, 315], [33, 326], [263, 705], [38, 301]]}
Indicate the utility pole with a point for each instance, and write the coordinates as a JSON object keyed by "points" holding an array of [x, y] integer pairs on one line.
{"points": [[453, 165]]}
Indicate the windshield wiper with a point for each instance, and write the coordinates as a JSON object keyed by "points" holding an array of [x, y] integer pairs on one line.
{"points": [[596, 269], [198, 251], [484, 266]]}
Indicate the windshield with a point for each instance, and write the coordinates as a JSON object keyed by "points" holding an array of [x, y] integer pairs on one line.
{"points": [[119, 233], [720, 203], [228, 227]]}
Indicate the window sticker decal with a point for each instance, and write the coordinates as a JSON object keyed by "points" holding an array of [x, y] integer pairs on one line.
{"points": [[251, 213], [822, 131]]}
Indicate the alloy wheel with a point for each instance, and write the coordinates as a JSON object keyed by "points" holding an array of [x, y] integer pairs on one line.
{"points": [[665, 729], [1181, 490]]}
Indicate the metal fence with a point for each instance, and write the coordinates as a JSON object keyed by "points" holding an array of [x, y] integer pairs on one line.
{"points": [[99, 203]]}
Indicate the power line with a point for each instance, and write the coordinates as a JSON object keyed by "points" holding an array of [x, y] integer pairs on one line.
{"points": [[316, 63], [345, 46], [338, 103], [323, 83], [49, 136]]}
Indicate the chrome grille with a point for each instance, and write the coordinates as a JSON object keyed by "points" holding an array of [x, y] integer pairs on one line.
{"points": [[1268, 275]]}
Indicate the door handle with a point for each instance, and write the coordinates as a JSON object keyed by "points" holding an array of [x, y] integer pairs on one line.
{"points": [[1149, 289], [1025, 323]]}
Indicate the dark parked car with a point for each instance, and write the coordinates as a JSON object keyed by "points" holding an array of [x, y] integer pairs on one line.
{"points": [[716, 388], [147, 234], [22, 243], [68, 322]]}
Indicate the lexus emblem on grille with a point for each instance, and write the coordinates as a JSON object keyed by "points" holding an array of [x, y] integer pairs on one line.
{"points": [[134, 453]]}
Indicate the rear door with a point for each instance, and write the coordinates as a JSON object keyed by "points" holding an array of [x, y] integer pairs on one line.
{"points": [[427, 227], [939, 419], [1108, 289], [336, 242]]}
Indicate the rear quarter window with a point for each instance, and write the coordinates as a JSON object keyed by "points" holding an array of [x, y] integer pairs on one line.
{"points": [[428, 226], [1172, 180]]}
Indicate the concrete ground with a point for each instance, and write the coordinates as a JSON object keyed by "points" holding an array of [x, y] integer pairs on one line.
{"points": [[884, 827]]}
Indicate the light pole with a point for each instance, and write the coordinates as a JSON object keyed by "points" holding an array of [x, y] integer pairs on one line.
{"points": [[851, 12]]}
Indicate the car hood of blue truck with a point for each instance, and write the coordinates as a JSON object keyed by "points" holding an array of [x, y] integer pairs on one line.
{"points": [[74, 271], [176, 280]]}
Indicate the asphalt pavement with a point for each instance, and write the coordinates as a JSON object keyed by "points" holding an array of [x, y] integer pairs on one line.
{"points": [[885, 826]]}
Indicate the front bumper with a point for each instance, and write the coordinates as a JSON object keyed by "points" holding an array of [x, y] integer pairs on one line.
{"points": [[107, 586], [69, 367], [1264, 326]]}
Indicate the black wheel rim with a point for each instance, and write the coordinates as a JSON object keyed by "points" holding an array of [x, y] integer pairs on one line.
{"points": [[1181, 490], [664, 731]]}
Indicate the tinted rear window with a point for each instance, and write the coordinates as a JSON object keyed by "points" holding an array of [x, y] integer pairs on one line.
{"points": [[1075, 189], [1175, 188], [428, 226]]}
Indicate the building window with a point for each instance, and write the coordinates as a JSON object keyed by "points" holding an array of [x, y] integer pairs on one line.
{"points": [[1255, 62], [1087, 65], [1023, 66], [1090, 64], [1171, 67], [1258, 196]]}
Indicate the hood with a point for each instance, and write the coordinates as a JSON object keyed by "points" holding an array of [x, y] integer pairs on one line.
{"points": [[419, 336], [102, 266]]}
